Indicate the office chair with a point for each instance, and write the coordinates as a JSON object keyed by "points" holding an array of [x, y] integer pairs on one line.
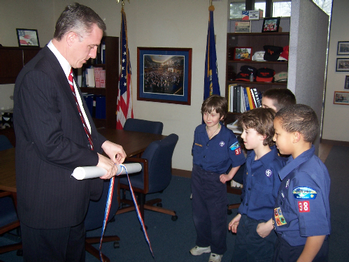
{"points": [[235, 190], [146, 126], [8, 221], [5, 143], [8, 212], [155, 176], [94, 219]]}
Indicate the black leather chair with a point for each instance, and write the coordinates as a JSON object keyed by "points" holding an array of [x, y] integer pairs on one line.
{"points": [[94, 220], [155, 176], [146, 126], [5, 143]]}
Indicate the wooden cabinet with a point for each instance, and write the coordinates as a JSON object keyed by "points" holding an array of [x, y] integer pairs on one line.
{"points": [[111, 66], [12, 61], [256, 41]]}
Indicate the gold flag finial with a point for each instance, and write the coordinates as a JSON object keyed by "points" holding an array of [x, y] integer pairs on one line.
{"points": [[122, 2], [211, 7]]}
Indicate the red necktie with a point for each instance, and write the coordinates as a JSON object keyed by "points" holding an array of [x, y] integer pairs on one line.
{"points": [[71, 83]]}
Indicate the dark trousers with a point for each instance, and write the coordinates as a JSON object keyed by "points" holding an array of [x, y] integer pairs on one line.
{"points": [[53, 245], [249, 246], [209, 203], [284, 252]]}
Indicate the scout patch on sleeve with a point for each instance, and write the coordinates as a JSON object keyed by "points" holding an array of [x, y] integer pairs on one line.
{"points": [[279, 217], [303, 192], [303, 206], [236, 147]]}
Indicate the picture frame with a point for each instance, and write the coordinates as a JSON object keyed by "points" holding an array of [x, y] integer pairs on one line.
{"points": [[27, 37], [346, 82], [243, 27], [341, 98], [242, 53], [342, 65], [164, 74], [271, 24], [343, 48]]}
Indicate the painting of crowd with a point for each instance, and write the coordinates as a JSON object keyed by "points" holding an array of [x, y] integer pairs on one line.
{"points": [[164, 74]]}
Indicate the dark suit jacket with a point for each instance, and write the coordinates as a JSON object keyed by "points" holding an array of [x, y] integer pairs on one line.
{"points": [[50, 143]]}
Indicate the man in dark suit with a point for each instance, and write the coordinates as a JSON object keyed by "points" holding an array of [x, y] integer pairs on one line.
{"points": [[55, 134]]}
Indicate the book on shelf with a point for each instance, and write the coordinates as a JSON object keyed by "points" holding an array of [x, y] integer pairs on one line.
{"points": [[90, 77], [99, 75], [257, 97], [250, 99], [230, 97], [241, 99]]}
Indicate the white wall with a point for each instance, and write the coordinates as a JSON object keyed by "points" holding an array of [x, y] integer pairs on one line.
{"points": [[150, 23], [336, 124], [307, 57], [180, 23]]}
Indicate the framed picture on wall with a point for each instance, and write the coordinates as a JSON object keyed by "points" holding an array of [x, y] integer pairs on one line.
{"points": [[346, 83], [164, 74], [27, 37], [341, 97], [342, 65], [271, 24], [343, 48]]}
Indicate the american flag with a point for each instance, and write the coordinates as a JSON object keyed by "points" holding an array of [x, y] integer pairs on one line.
{"points": [[124, 103]]}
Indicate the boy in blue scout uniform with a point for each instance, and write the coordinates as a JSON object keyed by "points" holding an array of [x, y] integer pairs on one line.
{"points": [[255, 241], [302, 210], [277, 98], [215, 150]]}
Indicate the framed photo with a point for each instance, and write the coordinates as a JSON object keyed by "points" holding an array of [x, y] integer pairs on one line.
{"points": [[243, 27], [164, 74], [27, 37], [342, 65], [271, 24], [346, 83], [243, 53], [343, 48], [341, 97]]}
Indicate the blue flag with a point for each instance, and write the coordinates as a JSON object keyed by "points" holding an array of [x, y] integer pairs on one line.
{"points": [[211, 85]]}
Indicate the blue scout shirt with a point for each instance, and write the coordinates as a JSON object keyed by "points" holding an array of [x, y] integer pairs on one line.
{"points": [[302, 207], [218, 154], [261, 185]]}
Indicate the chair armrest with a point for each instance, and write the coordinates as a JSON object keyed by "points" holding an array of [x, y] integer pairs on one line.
{"points": [[145, 169], [4, 194]]}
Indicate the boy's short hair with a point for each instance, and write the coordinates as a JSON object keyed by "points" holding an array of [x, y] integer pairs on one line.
{"points": [[261, 120], [281, 97], [299, 118], [215, 102]]}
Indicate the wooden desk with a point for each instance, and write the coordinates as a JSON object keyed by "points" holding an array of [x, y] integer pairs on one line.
{"points": [[7, 170], [133, 143]]}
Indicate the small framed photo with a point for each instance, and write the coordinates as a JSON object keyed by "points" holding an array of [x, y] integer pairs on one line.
{"points": [[341, 98], [27, 37], [242, 53], [342, 65], [271, 24], [346, 83], [243, 27], [343, 48]]}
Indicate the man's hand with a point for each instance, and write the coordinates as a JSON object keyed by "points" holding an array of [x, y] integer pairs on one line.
{"points": [[116, 155]]}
